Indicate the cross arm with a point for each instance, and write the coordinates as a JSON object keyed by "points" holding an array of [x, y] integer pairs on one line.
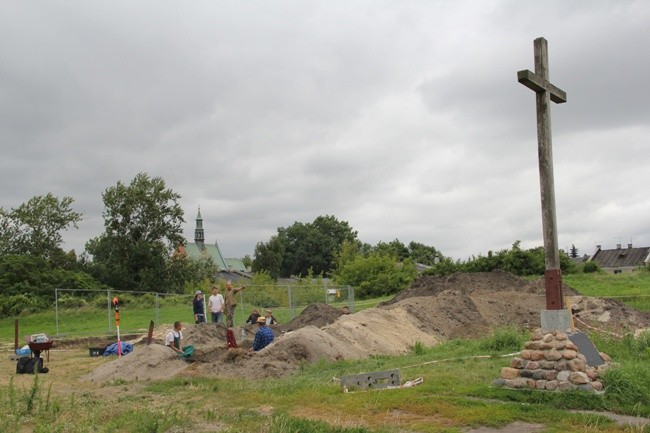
{"points": [[538, 84]]}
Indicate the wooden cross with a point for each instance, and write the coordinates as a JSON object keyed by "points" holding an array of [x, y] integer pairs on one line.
{"points": [[545, 93]]}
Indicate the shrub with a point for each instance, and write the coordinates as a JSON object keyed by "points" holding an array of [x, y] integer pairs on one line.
{"points": [[71, 301], [21, 304], [506, 338], [590, 267]]}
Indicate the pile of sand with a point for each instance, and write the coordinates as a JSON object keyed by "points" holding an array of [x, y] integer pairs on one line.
{"points": [[151, 362], [431, 310]]}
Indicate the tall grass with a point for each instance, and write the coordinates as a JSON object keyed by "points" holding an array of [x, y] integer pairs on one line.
{"points": [[456, 393]]}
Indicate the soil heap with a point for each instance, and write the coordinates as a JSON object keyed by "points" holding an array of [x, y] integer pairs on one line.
{"points": [[433, 309]]}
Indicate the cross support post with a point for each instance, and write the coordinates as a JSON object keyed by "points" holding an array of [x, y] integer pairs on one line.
{"points": [[545, 92]]}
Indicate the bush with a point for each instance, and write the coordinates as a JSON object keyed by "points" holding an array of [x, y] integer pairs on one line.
{"points": [[21, 304], [506, 338], [590, 267], [71, 301]]}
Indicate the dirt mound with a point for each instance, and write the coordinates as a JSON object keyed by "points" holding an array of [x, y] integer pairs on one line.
{"points": [[318, 314], [153, 362], [431, 310], [495, 281]]}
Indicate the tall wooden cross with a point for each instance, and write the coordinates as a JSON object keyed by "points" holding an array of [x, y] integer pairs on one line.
{"points": [[545, 93]]}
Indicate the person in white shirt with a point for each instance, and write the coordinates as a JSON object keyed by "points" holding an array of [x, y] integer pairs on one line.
{"points": [[215, 304], [174, 337]]}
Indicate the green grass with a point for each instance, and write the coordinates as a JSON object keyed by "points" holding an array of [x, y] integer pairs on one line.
{"points": [[630, 288], [456, 394], [95, 321]]}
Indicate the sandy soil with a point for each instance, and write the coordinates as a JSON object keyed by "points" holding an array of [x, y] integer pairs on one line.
{"points": [[431, 310]]}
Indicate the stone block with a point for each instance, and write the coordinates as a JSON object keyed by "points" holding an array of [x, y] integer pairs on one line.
{"points": [[509, 373], [536, 355], [578, 378], [548, 338], [559, 345], [563, 376], [569, 354], [566, 386], [552, 355], [526, 373], [499, 382], [518, 383], [547, 365], [585, 387], [577, 365], [569, 345], [552, 385], [551, 375], [539, 374], [561, 336], [537, 335], [517, 363], [525, 354], [597, 385], [555, 320], [540, 384], [562, 365], [532, 365]]}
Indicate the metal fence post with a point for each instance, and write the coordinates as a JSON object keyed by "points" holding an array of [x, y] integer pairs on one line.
{"points": [[157, 309], [56, 309], [108, 308]]}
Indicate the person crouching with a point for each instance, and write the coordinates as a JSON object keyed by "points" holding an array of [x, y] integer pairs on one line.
{"points": [[263, 337]]}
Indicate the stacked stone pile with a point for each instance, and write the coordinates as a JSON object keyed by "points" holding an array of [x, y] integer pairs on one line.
{"points": [[552, 362]]}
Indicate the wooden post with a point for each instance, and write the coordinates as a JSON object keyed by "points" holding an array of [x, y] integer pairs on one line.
{"points": [[16, 336], [150, 333], [545, 93]]}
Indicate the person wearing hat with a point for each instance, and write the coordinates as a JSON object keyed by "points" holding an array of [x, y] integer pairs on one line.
{"points": [[231, 302], [270, 320], [199, 310], [263, 337]]}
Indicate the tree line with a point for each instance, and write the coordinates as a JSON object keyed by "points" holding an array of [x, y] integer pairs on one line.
{"points": [[138, 251]]}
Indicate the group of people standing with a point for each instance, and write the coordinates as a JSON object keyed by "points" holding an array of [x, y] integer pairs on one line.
{"points": [[218, 305]]}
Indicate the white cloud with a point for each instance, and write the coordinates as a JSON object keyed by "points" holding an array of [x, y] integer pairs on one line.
{"points": [[404, 119]]}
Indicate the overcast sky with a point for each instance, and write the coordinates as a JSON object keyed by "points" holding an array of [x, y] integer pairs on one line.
{"points": [[403, 118]]}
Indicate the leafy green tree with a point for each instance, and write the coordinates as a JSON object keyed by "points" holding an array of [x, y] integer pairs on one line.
{"points": [[303, 246], [394, 248], [186, 274], [268, 257], [377, 274], [35, 227], [421, 253], [142, 226], [247, 261], [28, 283]]}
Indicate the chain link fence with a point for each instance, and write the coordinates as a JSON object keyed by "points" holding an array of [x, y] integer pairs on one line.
{"points": [[79, 312]]}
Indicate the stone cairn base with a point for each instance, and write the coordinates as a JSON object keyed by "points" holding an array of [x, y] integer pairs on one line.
{"points": [[552, 362]]}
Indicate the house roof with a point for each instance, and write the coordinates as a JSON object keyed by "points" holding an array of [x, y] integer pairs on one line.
{"points": [[622, 257], [236, 264], [198, 250]]}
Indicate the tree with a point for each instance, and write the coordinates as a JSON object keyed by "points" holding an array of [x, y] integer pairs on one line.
{"points": [[421, 253], [377, 274], [268, 257], [394, 248], [35, 227], [142, 226], [313, 245], [574, 252]]}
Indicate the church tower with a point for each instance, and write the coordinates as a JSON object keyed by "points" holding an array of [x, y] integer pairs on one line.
{"points": [[199, 236]]}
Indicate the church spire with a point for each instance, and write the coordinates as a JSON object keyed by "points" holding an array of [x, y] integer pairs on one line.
{"points": [[199, 236]]}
